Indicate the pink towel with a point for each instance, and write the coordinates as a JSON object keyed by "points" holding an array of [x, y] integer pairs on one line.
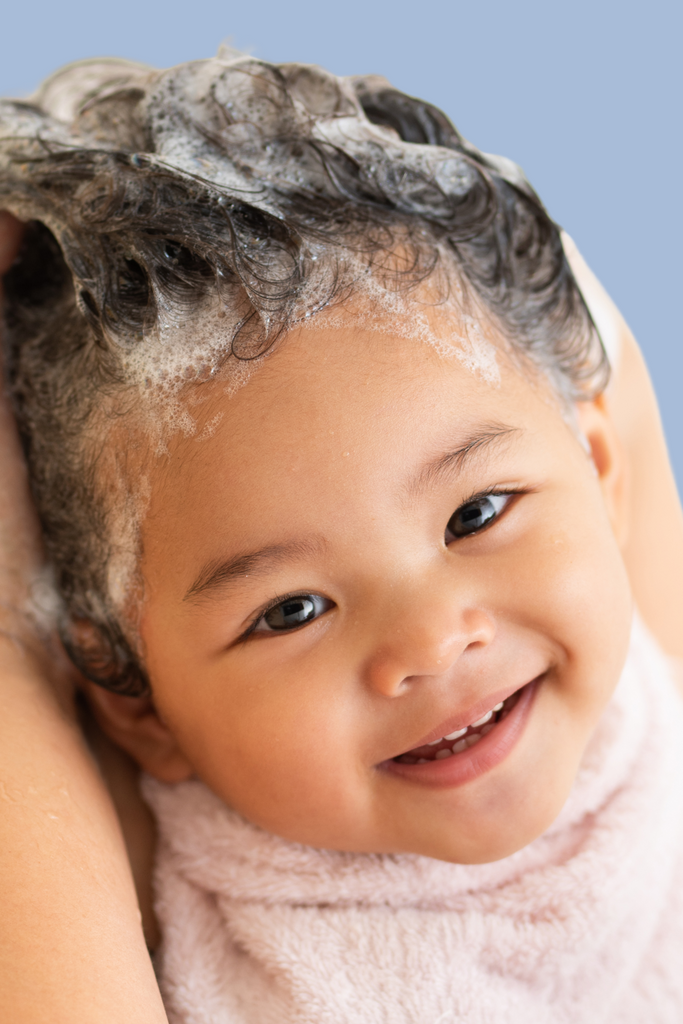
{"points": [[584, 925]]}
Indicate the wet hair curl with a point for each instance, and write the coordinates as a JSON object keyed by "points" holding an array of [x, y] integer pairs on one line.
{"points": [[150, 192]]}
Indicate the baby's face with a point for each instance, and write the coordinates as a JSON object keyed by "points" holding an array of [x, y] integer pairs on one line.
{"points": [[374, 551]]}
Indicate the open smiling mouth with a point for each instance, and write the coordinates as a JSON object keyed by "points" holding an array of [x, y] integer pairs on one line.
{"points": [[461, 739]]}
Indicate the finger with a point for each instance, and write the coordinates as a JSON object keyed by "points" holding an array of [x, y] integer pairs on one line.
{"points": [[613, 329], [11, 231]]}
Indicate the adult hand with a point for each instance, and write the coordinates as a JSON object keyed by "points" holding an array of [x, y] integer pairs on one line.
{"points": [[20, 544]]}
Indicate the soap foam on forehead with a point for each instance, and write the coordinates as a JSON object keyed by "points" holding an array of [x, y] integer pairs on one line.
{"points": [[421, 314]]}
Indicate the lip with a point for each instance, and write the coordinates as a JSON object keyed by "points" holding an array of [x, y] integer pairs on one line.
{"points": [[469, 764], [473, 714]]}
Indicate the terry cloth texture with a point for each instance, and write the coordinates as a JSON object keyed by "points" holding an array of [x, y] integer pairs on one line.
{"points": [[584, 925]]}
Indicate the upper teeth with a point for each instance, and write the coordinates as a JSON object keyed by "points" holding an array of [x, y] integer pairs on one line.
{"points": [[457, 734], [475, 725]]}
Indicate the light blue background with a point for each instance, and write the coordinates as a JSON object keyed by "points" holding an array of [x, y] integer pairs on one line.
{"points": [[584, 95]]}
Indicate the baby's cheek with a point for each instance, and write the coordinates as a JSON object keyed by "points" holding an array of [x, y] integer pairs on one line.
{"points": [[577, 554], [273, 749], [589, 611]]}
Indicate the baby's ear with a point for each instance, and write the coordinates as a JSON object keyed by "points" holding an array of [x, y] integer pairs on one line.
{"points": [[609, 459], [134, 725]]}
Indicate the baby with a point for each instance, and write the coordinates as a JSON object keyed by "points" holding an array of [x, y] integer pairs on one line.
{"points": [[335, 507]]}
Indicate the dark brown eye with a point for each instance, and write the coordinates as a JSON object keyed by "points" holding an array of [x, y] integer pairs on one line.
{"points": [[476, 514], [293, 612]]}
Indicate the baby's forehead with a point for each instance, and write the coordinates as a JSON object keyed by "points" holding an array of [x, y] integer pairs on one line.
{"points": [[375, 347], [377, 370], [350, 374], [439, 313]]}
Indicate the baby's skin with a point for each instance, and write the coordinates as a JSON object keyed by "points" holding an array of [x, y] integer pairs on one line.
{"points": [[377, 548]]}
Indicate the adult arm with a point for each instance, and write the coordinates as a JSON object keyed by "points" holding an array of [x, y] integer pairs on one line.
{"points": [[654, 548], [71, 943]]}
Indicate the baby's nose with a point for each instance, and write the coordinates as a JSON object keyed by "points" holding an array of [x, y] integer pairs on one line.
{"points": [[425, 642]]}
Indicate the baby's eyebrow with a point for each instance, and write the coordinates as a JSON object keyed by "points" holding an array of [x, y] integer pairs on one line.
{"points": [[220, 574], [475, 445]]}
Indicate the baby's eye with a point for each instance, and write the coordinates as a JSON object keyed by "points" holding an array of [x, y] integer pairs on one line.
{"points": [[292, 612], [475, 514]]}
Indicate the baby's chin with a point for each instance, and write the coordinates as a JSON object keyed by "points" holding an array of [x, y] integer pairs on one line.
{"points": [[478, 847], [486, 840], [488, 848], [512, 815], [485, 846]]}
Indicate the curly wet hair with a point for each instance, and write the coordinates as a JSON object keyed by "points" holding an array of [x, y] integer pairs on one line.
{"points": [[150, 192]]}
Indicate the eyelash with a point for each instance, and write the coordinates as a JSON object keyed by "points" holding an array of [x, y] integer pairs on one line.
{"points": [[284, 598]]}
